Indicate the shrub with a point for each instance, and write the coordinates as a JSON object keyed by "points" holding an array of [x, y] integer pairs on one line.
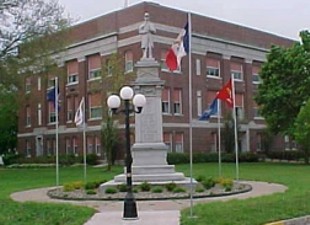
{"points": [[145, 186], [122, 187], [72, 186], [110, 190], [91, 185], [208, 183], [157, 190], [199, 189], [177, 158], [227, 183], [170, 186], [200, 178], [92, 159], [179, 190], [91, 192]]}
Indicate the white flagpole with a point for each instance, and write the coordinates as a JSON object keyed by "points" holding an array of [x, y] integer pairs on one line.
{"points": [[236, 131], [219, 137], [56, 130], [190, 112], [84, 141]]}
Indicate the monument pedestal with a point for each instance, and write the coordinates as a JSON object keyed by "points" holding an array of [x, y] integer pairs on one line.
{"points": [[149, 153]]}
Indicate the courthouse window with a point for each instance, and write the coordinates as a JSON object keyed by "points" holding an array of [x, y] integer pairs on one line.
{"points": [[94, 67], [177, 101], [213, 67], [72, 72], [236, 71], [165, 100]]}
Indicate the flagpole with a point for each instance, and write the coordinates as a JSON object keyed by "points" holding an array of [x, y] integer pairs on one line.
{"points": [[190, 112], [56, 130], [235, 122], [219, 137], [84, 141]]}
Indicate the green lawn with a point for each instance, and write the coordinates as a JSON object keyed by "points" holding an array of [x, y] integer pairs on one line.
{"points": [[295, 202], [256, 211], [12, 180]]}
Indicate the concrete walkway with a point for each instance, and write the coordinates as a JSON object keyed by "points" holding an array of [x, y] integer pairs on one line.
{"points": [[150, 212]]}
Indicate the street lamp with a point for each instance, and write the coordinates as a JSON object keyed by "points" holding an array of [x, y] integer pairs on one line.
{"points": [[114, 102]]}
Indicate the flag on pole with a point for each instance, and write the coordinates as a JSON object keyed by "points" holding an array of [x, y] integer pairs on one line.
{"points": [[51, 97], [226, 94], [79, 115], [213, 109], [178, 50]]}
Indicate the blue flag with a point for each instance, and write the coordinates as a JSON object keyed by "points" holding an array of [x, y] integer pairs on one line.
{"points": [[51, 96], [209, 112]]}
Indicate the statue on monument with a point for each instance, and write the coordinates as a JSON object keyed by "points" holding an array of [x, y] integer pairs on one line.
{"points": [[146, 30]]}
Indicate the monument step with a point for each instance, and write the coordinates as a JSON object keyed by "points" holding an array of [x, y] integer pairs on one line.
{"points": [[152, 177], [154, 169]]}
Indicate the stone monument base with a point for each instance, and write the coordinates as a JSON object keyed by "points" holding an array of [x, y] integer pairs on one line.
{"points": [[185, 183]]}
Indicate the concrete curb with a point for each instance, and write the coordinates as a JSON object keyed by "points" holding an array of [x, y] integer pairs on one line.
{"points": [[305, 220]]}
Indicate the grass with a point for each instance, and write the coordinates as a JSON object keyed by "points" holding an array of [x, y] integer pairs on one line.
{"points": [[256, 211], [30, 213]]}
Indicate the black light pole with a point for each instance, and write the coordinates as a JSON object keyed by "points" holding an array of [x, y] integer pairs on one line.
{"points": [[126, 93], [130, 208]]}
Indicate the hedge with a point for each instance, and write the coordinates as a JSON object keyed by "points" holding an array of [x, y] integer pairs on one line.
{"points": [[179, 158]]}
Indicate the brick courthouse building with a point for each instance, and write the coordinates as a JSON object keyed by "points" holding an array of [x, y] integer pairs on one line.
{"points": [[219, 50]]}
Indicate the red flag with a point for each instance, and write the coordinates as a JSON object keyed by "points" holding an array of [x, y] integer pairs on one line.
{"points": [[179, 48], [171, 60], [225, 94]]}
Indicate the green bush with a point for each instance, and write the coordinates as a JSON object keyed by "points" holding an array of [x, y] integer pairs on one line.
{"points": [[227, 183], [200, 178], [92, 185], [177, 158], [92, 159], [179, 190], [91, 192], [122, 187], [285, 155], [145, 186], [72, 186], [199, 189], [170, 186], [157, 190], [208, 183], [110, 190]]}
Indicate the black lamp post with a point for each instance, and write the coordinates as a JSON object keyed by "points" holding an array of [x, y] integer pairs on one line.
{"points": [[114, 102]]}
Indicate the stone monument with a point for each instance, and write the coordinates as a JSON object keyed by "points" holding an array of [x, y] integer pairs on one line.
{"points": [[149, 152]]}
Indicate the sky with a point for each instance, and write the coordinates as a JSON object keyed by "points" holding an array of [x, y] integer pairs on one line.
{"points": [[280, 17]]}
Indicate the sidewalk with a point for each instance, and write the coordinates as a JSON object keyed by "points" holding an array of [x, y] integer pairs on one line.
{"points": [[150, 212]]}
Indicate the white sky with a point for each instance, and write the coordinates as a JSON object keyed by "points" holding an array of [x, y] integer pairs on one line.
{"points": [[282, 17]]}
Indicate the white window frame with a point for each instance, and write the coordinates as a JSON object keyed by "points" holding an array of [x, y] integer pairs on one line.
{"points": [[199, 102], [39, 114], [28, 117], [28, 85], [169, 143], [178, 105], [95, 74], [75, 79], [28, 149], [198, 67], [166, 104], [98, 146], [179, 147], [39, 83]]}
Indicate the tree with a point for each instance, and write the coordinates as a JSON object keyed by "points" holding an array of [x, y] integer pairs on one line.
{"points": [[285, 85], [31, 33], [8, 121], [114, 78], [302, 130]]}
